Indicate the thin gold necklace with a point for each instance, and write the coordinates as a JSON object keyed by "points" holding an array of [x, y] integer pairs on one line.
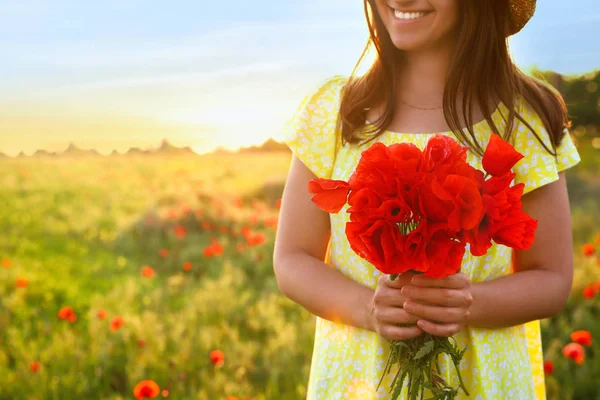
{"points": [[420, 108]]}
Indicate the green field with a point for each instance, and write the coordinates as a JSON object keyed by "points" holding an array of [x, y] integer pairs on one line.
{"points": [[78, 232]]}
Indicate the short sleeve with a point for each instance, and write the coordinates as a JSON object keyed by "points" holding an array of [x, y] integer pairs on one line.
{"points": [[538, 167], [311, 132]]}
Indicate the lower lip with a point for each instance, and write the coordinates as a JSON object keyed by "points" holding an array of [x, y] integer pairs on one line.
{"points": [[408, 21]]}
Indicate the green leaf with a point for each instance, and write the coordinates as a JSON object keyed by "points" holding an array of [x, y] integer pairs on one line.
{"points": [[423, 351]]}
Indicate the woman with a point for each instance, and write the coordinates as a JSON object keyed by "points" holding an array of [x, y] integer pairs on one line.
{"points": [[442, 66]]}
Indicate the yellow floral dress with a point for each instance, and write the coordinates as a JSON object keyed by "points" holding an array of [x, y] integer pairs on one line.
{"points": [[347, 362]]}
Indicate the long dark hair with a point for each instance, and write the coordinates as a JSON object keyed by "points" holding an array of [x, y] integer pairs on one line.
{"points": [[481, 66]]}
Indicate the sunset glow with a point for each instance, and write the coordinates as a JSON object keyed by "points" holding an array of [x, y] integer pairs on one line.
{"points": [[173, 72]]}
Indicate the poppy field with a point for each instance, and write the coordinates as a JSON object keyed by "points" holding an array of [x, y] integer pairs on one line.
{"points": [[151, 276]]}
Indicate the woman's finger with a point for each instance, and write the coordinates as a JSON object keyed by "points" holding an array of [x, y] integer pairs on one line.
{"points": [[435, 313], [456, 281], [395, 315], [392, 332], [437, 296], [445, 330], [401, 280]]}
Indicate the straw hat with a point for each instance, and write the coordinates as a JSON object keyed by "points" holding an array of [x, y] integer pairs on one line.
{"points": [[521, 12]]}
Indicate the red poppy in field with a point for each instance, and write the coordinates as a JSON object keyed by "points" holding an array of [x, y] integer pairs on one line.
{"points": [[164, 253], [180, 231], [146, 389], [223, 229], [240, 247], [187, 266], [254, 219], [217, 357], [172, 214], [34, 366], [214, 249], [141, 343], [239, 202], [272, 221], [147, 272], [206, 226], [246, 230], [231, 398], [165, 393], [589, 292], [6, 263], [278, 204], [116, 323], [101, 314], [584, 338], [256, 239], [67, 313], [575, 352], [548, 367], [588, 249], [21, 282]]}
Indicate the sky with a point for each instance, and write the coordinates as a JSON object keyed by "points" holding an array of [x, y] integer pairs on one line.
{"points": [[115, 74]]}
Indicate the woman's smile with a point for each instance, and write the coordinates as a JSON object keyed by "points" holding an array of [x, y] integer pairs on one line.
{"points": [[408, 16]]}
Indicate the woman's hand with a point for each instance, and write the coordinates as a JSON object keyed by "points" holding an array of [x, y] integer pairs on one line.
{"points": [[385, 309], [441, 306]]}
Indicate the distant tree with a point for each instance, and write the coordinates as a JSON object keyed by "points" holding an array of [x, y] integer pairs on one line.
{"points": [[581, 93]]}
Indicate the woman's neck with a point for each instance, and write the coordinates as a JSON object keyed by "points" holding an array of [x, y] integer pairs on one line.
{"points": [[423, 76]]}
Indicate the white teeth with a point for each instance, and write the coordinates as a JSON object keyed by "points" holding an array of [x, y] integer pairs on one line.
{"points": [[408, 15]]}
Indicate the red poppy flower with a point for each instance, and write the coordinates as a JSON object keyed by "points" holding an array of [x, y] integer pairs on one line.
{"points": [[101, 314], [217, 357], [499, 156], [34, 366], [180, 231], [272, 222], [146, 389], [21, 282], [164, 253], [588, 249], [238, 202], [206, 226], [575, 352], [6, 263], [548, 367], [147, 272], [141, 343], [116, 323], [330, 195], [584, 338], [278, 204], [67, 313], [213, 249], [256, 239], [187, 266], [589, 292]]}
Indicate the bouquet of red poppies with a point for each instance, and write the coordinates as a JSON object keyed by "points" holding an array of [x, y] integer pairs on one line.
{"points": [[417, 210]]}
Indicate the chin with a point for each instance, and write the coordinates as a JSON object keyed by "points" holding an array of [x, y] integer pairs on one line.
{"points": [[401, 42]]}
